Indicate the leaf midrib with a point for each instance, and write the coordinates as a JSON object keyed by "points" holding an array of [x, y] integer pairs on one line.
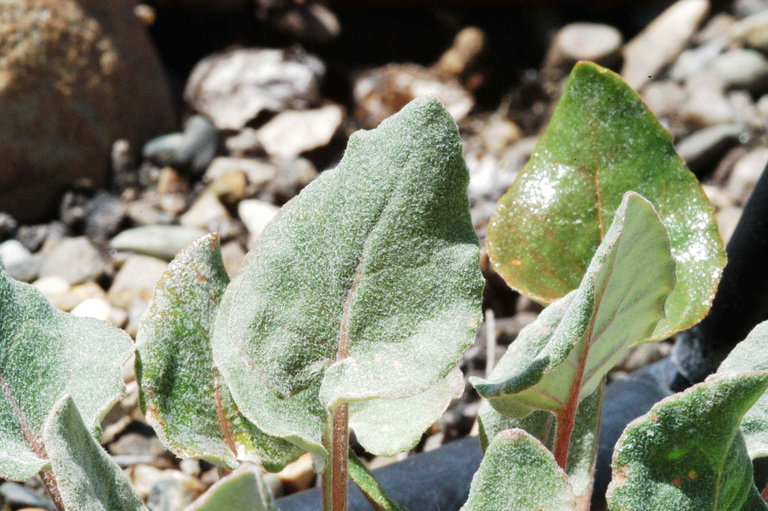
{"points": [[344, 341], [572, 403], [29, 435]]}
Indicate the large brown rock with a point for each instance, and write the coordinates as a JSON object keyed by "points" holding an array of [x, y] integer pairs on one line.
{"points": [[74, 77]]}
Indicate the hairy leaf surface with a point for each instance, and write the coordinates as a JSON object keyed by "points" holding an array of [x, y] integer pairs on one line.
{"points": [[377, 497], [541, 425], [519, 474], [45, 354], [562, 357], [752, 354], [687, 454], [242, 490], [601, 142], [389, 426], [85, 475], [183, 396], [365, 286]]}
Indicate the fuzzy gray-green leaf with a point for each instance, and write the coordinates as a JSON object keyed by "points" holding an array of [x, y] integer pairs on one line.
{"points": [[519, 474], [366, 284], [184, 398], [541, 425], [45, 354], [752, 354], [85, 475], [242, 490], [687, 454], [576, 340]]}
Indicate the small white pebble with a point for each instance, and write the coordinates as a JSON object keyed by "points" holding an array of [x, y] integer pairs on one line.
{"points": [[93, 308]]}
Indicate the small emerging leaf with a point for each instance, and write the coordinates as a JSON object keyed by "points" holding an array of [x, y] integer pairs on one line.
{"points": [[242, 490], [365, 286], [601, 142], [541, 425], [687, 454], [519, 474], [377, 497], [562, 357], [752, 354], [184, 398], [85, 475], [45, 354]]}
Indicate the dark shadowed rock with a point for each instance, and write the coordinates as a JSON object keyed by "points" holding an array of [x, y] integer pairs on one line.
{"points": [[211, 6], [310, 22], [74, 77]]}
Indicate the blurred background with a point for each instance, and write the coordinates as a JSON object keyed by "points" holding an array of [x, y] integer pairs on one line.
{"points": [[129, 129]]}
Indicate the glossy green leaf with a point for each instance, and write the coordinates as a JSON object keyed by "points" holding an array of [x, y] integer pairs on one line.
{"points": [[752, 354], [377, 496], [365, 286], [389, 426], [541, 425], [45, 354], [562, 357], [687, 454], [183, 396], [242, 490], [85, 475], [601, 142], [519, 474]]}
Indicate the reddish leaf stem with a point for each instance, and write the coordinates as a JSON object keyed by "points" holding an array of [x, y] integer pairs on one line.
{"points": [[563, 430], [49, 481]]}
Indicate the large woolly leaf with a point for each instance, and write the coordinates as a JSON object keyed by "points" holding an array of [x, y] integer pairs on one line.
{"points": [[563, 356], [365, 286], [541, 424], [376, 496], [601, 142], [45, 354], [86, 477], [519, 474], [687, 454], [182, 394], [242, 490], [752, 354]]}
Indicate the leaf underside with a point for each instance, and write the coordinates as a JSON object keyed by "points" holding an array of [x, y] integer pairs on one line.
{"points": [[45, 354], [752, 354], [687, 454], [519, 474], [183, 396], [365, 286], [389, 426], [563, 356], [601, 142], [85, 475]]}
